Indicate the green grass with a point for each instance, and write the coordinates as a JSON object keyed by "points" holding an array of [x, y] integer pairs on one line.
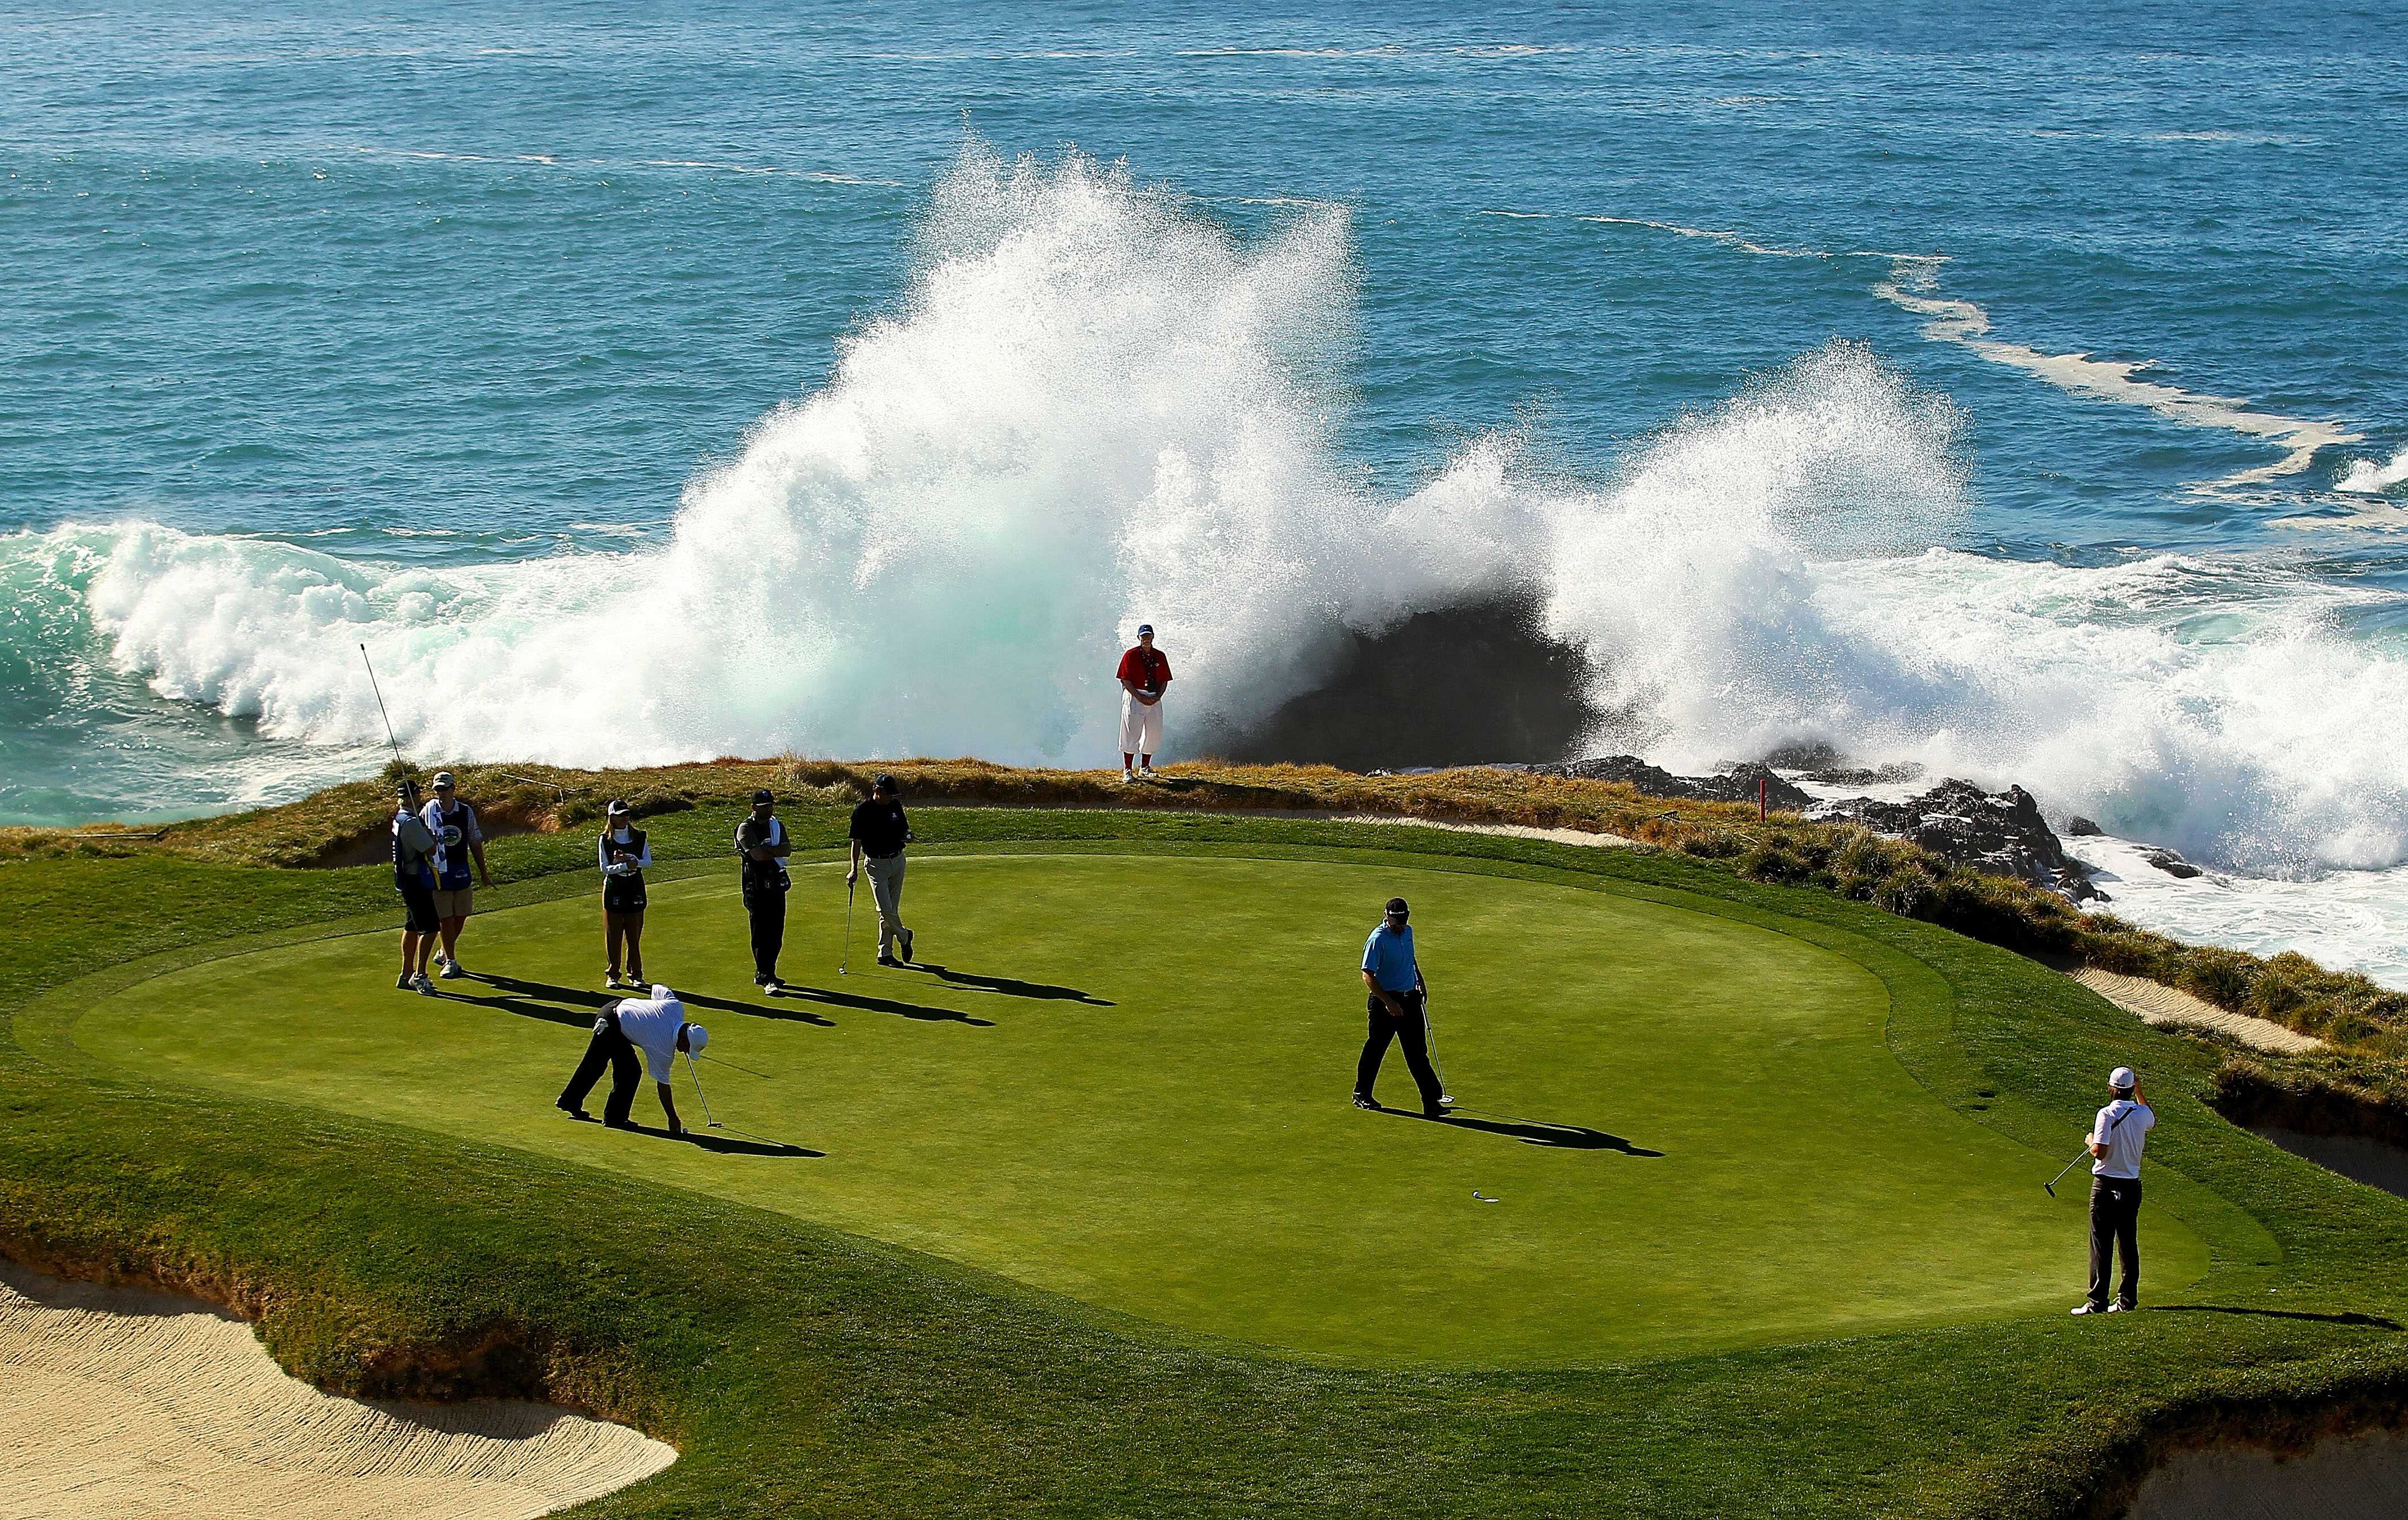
{"points": [[950, 1311], [1124, 1081]]}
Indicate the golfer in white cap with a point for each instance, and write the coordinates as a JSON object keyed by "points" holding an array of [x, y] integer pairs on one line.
{"points": [[2117, 1138], [1145, 670], [655, 1025]]}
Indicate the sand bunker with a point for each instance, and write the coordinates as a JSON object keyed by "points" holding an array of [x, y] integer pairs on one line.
{"points": [[2341, 1477], [115, 1402], [2158, 1004], [1511, 831]]}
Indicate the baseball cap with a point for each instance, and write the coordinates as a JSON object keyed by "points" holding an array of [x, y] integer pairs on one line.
{"points": [[1145, 627], [2122, 1079], [761, 796], [617, 809], [885, 781], [443, 779], [406, 789], [696, 1037], [1397, 904]]}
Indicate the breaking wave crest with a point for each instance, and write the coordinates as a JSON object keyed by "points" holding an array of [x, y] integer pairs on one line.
{"points": [[1095, 406]]}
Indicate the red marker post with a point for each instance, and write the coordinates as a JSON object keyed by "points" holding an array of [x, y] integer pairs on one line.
{"points": [[1763, 792]]}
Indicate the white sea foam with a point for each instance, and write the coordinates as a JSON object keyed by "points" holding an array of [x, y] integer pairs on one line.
{"points": [[2345, 919], [2364, 477], [1744, 245], [1964, 322], [1095, 406]]}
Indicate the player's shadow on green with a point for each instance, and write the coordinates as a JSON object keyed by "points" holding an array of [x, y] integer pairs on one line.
{"points": [[1532, 1131], [2375, 1322], [525, 1008], [721, 1144], [1008, 986], [920, 1012], [595, 1000]]}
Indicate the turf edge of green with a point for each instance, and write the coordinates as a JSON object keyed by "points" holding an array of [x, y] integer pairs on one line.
{"points": [[803, 1371]]}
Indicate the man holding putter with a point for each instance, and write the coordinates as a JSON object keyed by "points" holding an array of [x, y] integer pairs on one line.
{"points": [[879, 831], [655, 1025], [1393, 978], [2118, 1137]]}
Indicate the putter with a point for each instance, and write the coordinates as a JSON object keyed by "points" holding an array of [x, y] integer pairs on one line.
{"points": [[844, 966], [2050, 1186], [1430, 1043], [689, 1071]]}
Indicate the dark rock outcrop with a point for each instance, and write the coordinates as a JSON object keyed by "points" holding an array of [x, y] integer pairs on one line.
{"points": [[2001, 832], [2079, 827], [1456, 686], [1736, 784], [2171, 862]]}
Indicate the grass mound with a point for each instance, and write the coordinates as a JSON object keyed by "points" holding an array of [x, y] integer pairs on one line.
{"points": [[1122, 1078], [365, 1174]]}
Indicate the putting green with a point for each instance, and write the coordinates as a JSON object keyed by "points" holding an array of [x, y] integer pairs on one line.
{"points": [[1124, 1079]]}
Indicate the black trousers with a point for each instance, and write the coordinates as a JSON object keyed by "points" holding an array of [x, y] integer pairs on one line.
{"points": [[767, 908], [1408, 1032], [609, 1049], [2114, 1222]]}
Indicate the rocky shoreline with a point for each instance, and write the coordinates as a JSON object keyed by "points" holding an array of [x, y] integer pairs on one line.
{"points": [[2003, 833]]}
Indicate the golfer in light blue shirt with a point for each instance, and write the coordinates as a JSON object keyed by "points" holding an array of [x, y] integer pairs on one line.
{"points": [[1393, 979]]}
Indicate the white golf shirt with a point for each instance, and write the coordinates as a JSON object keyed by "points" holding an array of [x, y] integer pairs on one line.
{"points": [[652, 1026], [2123, 1126]]}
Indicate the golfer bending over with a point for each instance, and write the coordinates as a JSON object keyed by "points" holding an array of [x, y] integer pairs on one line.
{"points": [[1394, 979], [655, 1025], [2118, 1137], [880, 832]]}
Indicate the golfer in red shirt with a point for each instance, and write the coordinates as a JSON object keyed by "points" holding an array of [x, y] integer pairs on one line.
{"points": [[1145, 670]]}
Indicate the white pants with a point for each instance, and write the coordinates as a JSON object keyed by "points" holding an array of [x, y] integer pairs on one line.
{"points": [[1140, 725]]}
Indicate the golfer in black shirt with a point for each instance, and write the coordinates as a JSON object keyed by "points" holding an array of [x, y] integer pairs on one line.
{"points": [[880, 832]]}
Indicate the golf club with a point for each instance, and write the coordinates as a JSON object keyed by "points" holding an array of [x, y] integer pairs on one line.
{"points": [[380, 711], [844, 966], [1430, 1043], [2050, 1186], [697, 1075]]}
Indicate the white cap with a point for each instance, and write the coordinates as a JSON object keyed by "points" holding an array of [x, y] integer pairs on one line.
{"points": [[2122, 1079], [696, 1037]]}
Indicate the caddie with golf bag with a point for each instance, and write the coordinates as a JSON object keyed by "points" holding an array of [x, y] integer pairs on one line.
{"points": [[413, 877]]}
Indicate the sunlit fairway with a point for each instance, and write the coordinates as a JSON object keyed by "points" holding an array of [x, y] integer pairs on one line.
{"points": [[1124, 1077]]}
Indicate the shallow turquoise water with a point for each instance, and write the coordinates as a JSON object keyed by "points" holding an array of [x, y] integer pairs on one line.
{"points": [[1742, 344]]}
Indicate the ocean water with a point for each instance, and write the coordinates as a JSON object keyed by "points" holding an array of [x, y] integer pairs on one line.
{"points": [[2024, 393]]}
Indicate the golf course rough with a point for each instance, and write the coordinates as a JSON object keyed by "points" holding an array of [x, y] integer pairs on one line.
{"points": [[1123, 1078], [955, 1306]]}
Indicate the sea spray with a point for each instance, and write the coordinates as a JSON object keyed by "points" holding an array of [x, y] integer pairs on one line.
{"points": [[1092, 405]]}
